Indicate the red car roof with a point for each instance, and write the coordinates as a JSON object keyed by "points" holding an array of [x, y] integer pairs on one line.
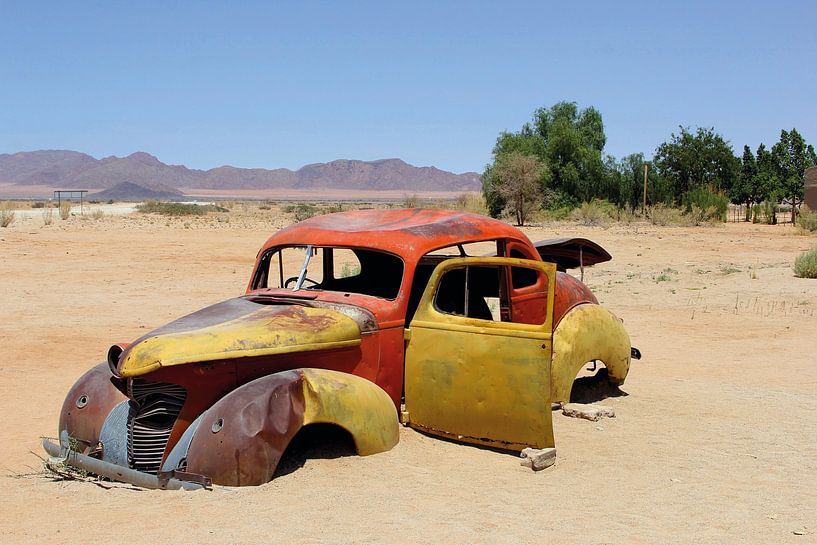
{"points": [[409, 233]]}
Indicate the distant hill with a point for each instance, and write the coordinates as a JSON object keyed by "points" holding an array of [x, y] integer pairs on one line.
{"points": [[127, 191], [71, 169]]}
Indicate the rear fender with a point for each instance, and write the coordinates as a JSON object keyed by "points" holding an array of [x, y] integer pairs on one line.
{"points": [[241, 438], [587, 332]]}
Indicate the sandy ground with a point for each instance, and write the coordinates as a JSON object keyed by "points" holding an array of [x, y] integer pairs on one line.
{"points": [[715, 443]]}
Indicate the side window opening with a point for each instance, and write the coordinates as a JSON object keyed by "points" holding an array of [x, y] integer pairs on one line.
{"points": [[472, 291], [428, 262], [478, 291], [521, 277]]}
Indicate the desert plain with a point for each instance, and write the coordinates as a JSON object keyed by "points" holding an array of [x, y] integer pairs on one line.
{"points": [[715, 441]]}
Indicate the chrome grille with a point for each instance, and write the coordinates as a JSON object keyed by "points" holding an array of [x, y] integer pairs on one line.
{"points": [[154, 407]]}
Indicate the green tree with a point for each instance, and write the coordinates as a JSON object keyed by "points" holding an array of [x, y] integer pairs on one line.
{"points": [[574, 140], [766, 183], [791, 157], [519, 182], [701, 159], [742, 191], [569, 141], [524, 142]]}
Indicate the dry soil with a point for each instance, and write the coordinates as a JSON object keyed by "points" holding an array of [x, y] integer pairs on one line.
{"points": [[716, 441]]}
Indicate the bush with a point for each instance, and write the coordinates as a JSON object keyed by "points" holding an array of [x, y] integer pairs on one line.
{"points": [[178, 208], [97, 214], [596, 212], [303, 211], [38, 204], [65, 210], [411, 201], [765, 212], [665, 215], [703, 204], [48, 215], [805, 266], [6, 214], [807, 219], [472, 202], [556, 214]]}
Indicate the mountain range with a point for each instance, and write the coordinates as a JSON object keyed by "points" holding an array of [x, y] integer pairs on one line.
{"points": [[72, 169]]}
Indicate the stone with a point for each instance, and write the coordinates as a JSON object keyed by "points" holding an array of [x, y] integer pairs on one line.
{"points": [[538, 459], [588, 412]]}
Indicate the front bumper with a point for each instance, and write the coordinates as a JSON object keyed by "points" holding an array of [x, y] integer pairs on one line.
{"points": [[162, 481]]}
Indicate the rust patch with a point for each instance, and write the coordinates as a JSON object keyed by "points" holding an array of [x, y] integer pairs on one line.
{"points": [[570, 291], [242, 437]]}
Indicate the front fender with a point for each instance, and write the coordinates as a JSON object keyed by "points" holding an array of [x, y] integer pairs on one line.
{"points": [[587, 332], [241, 438], [88, 403]]}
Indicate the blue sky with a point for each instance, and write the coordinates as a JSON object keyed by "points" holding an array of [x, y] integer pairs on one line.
{"points": [[271, 85]]}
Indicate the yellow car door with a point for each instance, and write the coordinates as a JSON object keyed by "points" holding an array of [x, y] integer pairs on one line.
{"points": [[472, 373]]}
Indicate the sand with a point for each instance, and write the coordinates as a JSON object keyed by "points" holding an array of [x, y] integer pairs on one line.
{"points": [[715, 443]]}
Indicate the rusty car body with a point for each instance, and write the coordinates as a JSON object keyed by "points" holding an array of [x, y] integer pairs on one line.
{"points": [[455, 323]]}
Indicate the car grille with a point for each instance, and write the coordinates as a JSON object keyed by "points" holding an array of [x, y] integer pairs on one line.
{"points": [[154, 407]]}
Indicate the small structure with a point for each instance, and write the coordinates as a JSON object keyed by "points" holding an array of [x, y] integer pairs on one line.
{"points": [[811, 188], [68, 194]]}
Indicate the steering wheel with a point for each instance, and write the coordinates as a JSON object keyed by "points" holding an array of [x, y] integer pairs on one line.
{"points": [[295, 279]]}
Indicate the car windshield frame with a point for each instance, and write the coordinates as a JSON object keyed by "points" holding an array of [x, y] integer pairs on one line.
{"points": [[264, 271]]}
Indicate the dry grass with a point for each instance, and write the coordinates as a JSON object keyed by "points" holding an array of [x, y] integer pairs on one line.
{"points": [[668, 217], [65, 210], [48, 215], [6, 214]]}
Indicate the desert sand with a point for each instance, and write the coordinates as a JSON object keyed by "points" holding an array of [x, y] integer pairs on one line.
{"points": [[716, 441]]}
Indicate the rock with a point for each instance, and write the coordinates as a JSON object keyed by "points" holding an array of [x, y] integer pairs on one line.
{"points": [[538, 459], [588, 412]]}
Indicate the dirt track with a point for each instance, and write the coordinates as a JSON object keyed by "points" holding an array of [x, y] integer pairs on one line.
{"points": [[715, 443]]}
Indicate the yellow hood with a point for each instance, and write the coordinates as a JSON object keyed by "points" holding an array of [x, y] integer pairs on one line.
{"points": [[239, 328]]}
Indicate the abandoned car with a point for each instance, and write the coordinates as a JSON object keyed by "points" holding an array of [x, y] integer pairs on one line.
{"points": [[453, 323]]}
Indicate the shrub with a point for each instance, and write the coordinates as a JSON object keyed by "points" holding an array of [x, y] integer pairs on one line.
{"points": [[97, 214], [6, 214], [48, 215], [304, 211], [65, 210], [596, 212], [556, 214], [178, 208], [805, 266], [411, 201], [38, 204], [699, 216], [765, 212], [665, 215], [807, 219], [705, 204], [472, 202]]}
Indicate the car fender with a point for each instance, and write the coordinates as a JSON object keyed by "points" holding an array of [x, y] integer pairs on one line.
{"points": [[87, 405], [587, 332], [241, 438]]}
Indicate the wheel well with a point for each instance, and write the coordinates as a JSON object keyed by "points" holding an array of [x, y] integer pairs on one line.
{"points": [[592, 384], [316, 442]]}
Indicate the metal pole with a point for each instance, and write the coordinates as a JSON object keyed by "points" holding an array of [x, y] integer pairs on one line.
{"points": [[644, 202]]}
